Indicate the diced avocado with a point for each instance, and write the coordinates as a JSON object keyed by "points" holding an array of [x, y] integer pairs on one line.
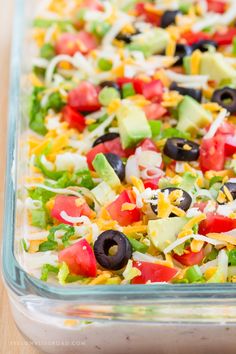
{"points": [[105, 171], [216, 67], [192, 115], [188, 181], [187, 65], [133, 125], [153, 41], [103, 193], [162, 232]]}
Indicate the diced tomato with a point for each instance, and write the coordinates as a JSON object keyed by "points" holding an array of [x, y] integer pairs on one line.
{"points": [[154, 111], [70, 43], [151, 183], [212, 153], [226, 129], [80, 259], [123, 80], [145, 10], [230, 145], [148, 144], [217, 6], [84, 97], [68, 204], [93, 5], [200, 205], [224, 37], [194, 37], [73, 118], [153, 90], [216, 223], [137, 83], [113, 146], [152, 272], [190, 258], [125, 217]]}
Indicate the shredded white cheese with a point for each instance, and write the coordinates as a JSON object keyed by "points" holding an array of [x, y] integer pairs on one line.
{"points": [[216, 124]]}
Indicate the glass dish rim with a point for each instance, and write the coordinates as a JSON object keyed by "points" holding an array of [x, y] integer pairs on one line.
{"points": [[16, 278]]}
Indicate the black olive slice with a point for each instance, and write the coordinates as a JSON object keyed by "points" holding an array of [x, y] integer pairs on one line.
{"points": [[225, 97], [181, 149], [112, 84], [126, 37], [105, 241], [231, 187], [204, 44], [168, 18], [105, 137], [182, 51], [194, 93], [184, 204], [117, 164]]}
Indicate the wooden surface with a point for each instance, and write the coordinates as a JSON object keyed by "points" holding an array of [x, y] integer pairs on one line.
{"points": [[8, 330]]}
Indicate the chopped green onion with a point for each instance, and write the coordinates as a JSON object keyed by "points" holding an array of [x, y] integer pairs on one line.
{"points": [[137, 246], [105, 64], [234, 46], [99, 29], [108, 94], [215, 179], [184, 8], [128, 90], [195, 228], [193, 274], [155, 126], [47, 51], [24, 245], [232, 257], [55, 102], [174, 133]]}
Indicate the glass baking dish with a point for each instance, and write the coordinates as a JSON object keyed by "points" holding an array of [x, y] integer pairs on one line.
{"points": [[98, 319]]}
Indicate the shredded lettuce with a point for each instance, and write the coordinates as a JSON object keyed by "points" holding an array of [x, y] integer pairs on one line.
{"points": [[46, 269], [51, 244], [55, 175], [81, 178], [46, 23], [93, 126], [37, 115], [41, 194], [130, 272], [39, 218]]}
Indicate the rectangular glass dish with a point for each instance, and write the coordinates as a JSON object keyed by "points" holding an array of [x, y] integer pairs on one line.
{"points": [[93, 319]]}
